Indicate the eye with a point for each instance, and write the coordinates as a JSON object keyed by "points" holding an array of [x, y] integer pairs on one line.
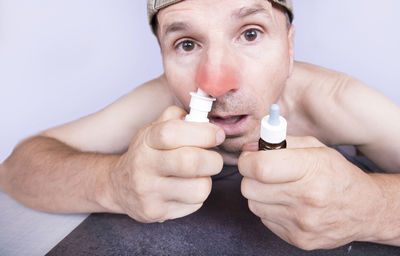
{"points": [[187, 45], [250, 35]]}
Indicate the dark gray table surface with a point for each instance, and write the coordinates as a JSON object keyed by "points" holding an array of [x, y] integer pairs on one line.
{"points": [[223, 226]]}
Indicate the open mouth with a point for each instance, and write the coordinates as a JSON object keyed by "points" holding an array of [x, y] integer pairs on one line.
{"points": [[231, 124], [228, 119]]}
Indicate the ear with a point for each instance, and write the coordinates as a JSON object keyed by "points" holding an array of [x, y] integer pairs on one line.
{"points": [[291, 48]]}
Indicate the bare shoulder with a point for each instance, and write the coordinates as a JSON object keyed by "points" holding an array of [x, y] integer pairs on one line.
{"points": [[339, 109], [334, 106], [111, 129], [306, 94]]}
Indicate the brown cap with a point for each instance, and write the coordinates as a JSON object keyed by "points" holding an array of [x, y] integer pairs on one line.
{"points": [[153, 6]]}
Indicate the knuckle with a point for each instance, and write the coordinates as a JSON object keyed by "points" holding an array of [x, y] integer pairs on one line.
{"points": [[171, 112], [164, 133], [315, 197], [210, 136], [245, 188], [259, 172], [299, 240], [253, 206], [151, 212], [306, 223], [138, 159], [172, 108], [141, 189], [219, 161], [245, 162], [175, 111], [203, 189], [189, 161], [141, 185], [306, 245]]}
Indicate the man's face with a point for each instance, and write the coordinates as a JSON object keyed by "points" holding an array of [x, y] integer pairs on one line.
{"points": [[238, 51]]}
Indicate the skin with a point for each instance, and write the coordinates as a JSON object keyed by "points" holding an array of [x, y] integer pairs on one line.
{"points": [[156, 167], [226, 65]]}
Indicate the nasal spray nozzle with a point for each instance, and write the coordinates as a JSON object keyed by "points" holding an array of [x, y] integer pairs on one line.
{"points": [[273, 130], [200, 105]]}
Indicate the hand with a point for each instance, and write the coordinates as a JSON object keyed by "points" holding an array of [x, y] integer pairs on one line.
{"points": [[166, 172], [310, 195]]}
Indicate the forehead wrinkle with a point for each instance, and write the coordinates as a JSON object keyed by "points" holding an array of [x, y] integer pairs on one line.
{"points": [[265, 9], [248, 11]]}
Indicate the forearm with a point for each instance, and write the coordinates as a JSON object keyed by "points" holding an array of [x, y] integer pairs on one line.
{"points": [[47, 175], [387, 226]]}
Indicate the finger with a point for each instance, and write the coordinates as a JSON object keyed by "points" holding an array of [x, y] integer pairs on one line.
{"points": [[292, 142], [303, 142], [251, 146], [174, 134], [188, 162], [278, 194], [172, 112], [178, 210], [280, 166], [187, 191]]}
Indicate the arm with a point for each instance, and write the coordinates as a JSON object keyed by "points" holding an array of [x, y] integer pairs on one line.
{"points": [[309, 194], [64, 169], [48, 175], [111, 129], [78, 167]]}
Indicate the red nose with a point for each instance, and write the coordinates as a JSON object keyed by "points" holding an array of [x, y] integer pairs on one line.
{"points": [[216, 79]]}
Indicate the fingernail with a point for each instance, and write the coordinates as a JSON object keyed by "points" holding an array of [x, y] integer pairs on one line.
{"points": [[220, 136]]}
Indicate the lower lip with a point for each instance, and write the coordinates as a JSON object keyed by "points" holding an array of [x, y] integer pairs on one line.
{"points": [[236, 128]]}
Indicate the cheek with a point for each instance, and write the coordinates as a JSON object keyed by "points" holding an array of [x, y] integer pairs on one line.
{"points": [[265, 78], [272, 69], [180, 81]]}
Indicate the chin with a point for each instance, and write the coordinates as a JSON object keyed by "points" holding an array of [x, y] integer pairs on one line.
{"points": [[233, 145]]}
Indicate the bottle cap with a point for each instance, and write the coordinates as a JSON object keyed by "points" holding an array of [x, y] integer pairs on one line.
{"points": [[273, 126]]}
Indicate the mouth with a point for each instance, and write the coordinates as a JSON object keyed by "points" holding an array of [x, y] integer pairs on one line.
{"points": [[233, 125]]}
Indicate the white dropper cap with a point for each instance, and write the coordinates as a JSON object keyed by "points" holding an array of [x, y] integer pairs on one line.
{"points": [[273, 126], [200, 105]]}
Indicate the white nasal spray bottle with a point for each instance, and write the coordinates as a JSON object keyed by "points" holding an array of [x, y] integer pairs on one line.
{"points": [[200, 105]]}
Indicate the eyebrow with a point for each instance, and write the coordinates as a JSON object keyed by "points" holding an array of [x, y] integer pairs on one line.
{"points": [[176, 27], [249, 11], [237, 14]]}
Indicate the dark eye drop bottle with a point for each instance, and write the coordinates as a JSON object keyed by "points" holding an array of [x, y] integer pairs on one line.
{"points": [[273, 130]]}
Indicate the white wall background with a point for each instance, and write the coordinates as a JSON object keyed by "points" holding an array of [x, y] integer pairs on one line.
{"points": [[63, 59]]}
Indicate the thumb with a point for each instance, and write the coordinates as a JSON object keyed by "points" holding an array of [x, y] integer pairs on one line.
{"points": [[303, 142], [250, 146], [172, 112], [292, 142]]}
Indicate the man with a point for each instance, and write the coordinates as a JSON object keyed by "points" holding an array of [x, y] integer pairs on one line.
{"points": [[139, 157]]}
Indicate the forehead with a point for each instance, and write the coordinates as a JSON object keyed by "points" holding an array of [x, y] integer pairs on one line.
{"points": [[212, 14], [211, 8]]}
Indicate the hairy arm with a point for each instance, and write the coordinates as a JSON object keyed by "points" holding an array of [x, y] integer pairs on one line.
{"points": [[65, 169], [48, 175]]}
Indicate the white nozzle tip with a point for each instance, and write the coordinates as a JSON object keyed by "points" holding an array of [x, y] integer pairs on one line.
{"points": [[202, 93]]}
